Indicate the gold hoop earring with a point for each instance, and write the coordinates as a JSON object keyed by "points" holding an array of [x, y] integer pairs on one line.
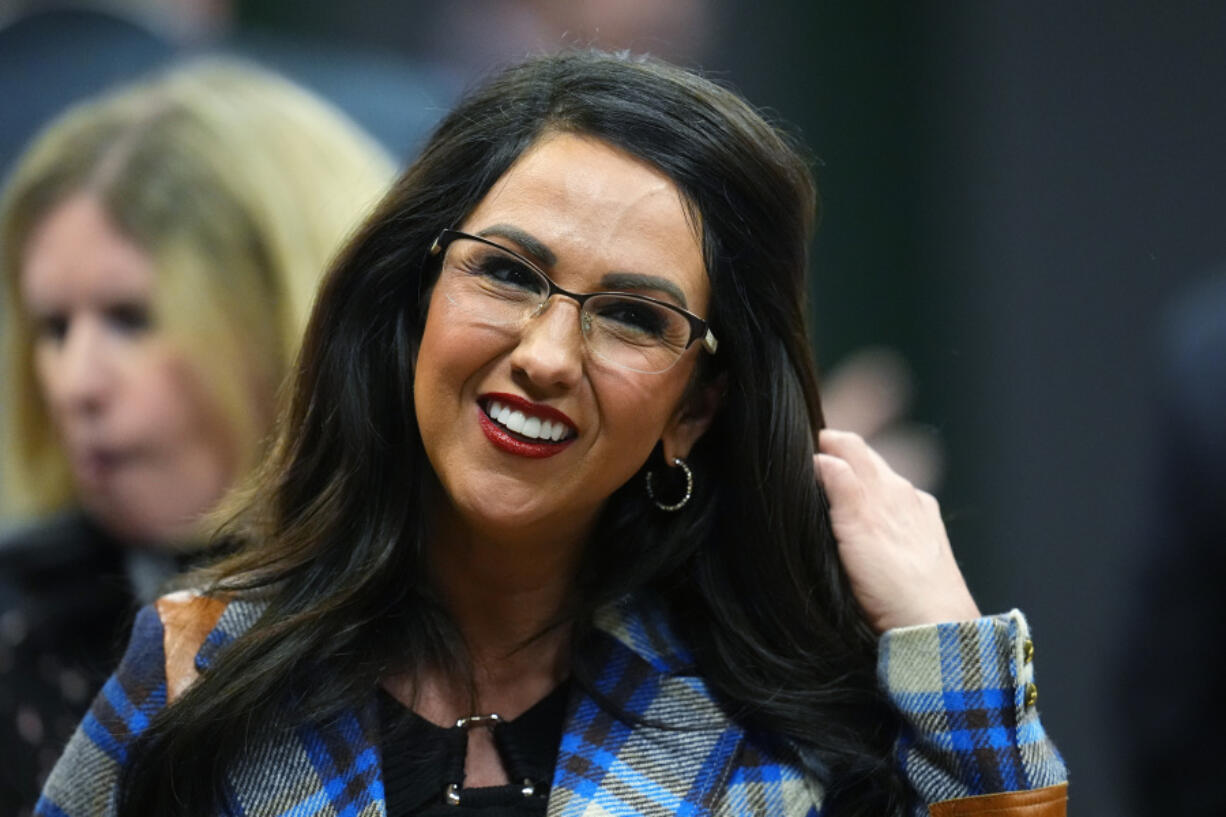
{"points": [[689, 488]]}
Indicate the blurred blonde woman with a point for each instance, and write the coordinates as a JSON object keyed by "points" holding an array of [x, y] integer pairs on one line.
{"points": [[159, 252]]}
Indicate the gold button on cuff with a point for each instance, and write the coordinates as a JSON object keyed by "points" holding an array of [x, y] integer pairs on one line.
{"points": [[1027, 650], [1032, 694]]}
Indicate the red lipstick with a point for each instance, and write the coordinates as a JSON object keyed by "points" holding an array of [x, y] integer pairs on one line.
{"points": [[517, 444]]}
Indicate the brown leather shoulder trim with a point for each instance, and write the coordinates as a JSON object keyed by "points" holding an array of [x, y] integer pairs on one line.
{"points": [[1051, 801], [187, 619]]}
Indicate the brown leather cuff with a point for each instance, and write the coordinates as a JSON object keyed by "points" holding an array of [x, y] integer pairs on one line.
{"points": [[1051, 801]]}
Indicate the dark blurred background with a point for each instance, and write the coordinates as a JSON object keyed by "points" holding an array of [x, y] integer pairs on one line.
{"points": [[1011, 194]]}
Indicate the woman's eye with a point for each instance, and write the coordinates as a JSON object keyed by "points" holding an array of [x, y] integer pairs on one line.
{"points": [[51, 327], [131, 318], [639, 318], [509, 272]]}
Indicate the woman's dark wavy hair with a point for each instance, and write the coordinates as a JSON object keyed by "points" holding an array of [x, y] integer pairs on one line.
{"points": [[334, 534]]}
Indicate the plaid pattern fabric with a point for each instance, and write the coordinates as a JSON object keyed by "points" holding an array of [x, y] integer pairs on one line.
{"points": [[763, 784], [99, 747], [958, 684], [675, 761], [963, 690], [325, 771]]}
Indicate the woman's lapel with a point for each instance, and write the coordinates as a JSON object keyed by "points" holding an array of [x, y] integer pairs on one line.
{"points": [[657, 743], [318, 769]]}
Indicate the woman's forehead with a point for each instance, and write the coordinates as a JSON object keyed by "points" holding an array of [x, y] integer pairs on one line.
{"points": [[593, 205], [76, 253]]}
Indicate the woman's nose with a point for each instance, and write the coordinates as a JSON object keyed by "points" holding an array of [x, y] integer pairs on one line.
{"points": [[78, 375], [550, 348]]}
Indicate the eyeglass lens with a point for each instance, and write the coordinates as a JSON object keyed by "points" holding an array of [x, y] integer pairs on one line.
{"points": [[498, 289]]}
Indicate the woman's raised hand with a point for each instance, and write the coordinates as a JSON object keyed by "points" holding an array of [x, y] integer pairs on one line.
{"points": [[891, 538]]}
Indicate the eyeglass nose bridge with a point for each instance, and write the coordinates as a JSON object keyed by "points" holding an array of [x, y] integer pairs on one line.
{"points": [[580, 299]]}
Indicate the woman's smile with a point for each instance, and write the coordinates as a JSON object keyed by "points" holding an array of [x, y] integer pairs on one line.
{"points": [[527, 428], [519, 426]]}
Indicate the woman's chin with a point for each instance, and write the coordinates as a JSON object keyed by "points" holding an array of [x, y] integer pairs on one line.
{"points": [[514, 514]]}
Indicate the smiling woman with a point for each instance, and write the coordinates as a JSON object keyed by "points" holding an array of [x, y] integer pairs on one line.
{"points": [[552, 524], [586, 209]]}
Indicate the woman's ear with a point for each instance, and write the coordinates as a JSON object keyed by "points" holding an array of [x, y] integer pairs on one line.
{"points": [[692, 418]]}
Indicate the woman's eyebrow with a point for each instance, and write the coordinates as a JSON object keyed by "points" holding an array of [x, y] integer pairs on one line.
{"points": [[612, 281], [636, 281], [531, 245]]}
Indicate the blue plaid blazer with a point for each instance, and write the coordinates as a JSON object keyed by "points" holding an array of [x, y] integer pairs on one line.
{"points": [[963, 688]]}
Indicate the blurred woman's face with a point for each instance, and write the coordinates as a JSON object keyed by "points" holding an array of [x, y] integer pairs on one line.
{"points": [[148, 454], [594, 219]]}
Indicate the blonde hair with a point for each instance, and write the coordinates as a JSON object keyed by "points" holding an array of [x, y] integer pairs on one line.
{"points": [[241, 187]]}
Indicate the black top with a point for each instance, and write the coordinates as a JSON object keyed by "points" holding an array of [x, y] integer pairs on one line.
{"points": [[68, 594], [421, 759], [65, 606]]}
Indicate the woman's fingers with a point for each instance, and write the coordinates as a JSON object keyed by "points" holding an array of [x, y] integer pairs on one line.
{"points": [[891, 538], [870, 392], [842, 485], [852, 449]]}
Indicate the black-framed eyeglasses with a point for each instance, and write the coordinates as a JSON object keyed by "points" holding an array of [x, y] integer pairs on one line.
{"points": [[500, 287]]}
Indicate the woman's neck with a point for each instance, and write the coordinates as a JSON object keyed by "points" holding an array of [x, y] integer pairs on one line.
{"points": [[500, 601], [507, 599]]}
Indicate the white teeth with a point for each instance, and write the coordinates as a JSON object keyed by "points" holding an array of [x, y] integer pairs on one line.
{"points": [[526, 425]]}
